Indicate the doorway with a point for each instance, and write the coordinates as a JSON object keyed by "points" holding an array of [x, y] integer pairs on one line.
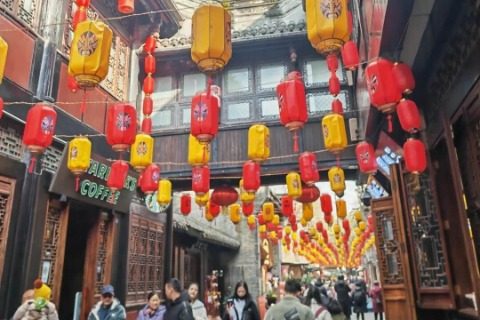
{"points": [[82, 220]]}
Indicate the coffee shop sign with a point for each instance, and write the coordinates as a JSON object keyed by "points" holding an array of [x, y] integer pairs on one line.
{"points": [[92, 189]]}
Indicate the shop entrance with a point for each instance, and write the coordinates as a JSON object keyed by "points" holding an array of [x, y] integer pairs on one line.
{"points": [[82, 219]]}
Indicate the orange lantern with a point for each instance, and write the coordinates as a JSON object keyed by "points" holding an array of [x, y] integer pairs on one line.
{"points": [[204, 115], [307, 162], [251, 176], [118, 175], [39, 128], [185, 204], [121, 126], [150, 178], [201, 179]]}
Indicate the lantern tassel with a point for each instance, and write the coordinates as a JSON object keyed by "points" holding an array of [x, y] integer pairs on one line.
{"points": [[390, 124], [77, 183], [83, 106], [33, 164], [295, 141], [338, 160]]}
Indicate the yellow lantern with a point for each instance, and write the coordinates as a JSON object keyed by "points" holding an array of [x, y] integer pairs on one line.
{"points": [[327, 24], [288, 229], [211, 37], [334, 133], [258, 142], [341, 208], [307, 209], [235, 215], [276, 220], [358, 216], [336, 176], [198, 154], [358, 232], [164, 194], [336, 228], [294, 236], [303, 222], [268, 211], [244, 195], [272, 235], [79, 153], [208, 215], [3, 57], [90, 53], [294, 184], [141, 152], [201, 200], [251, 220], [261, 228], [362, 226]]}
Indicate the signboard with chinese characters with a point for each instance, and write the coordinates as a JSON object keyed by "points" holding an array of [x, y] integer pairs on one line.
{"points": [[93, 185]]}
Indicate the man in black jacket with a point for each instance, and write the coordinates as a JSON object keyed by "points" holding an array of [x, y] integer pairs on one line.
{"points": [[342, 290], [177, 308]]}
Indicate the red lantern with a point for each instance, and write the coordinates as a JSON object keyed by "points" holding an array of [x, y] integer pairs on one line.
{"points": [[319, 226], [147, 105], [118, 175], [204, 116], [72, 84], [148, 84], [261, 219], [39, 127], [346, 225], [337, 106], [82, 3], [271, 227], [1, 107], [350, 55], [247, 208], [126, 6], [307, 162], [328, 218], [326, 203], [367, 162], [201, 180], [332, 62], [150, 64], [294, 227], [325, 235], [121, 126], [185, 204], [408, 115], [214, 209], [80, 15], [224, 196], [150, 44], [334, 85], [287, 206], [292, 104], [150, 178], [382, 86], [309, 194], [147, 125], [251, 176], [404, 77], [415, 156], [292, 219]]}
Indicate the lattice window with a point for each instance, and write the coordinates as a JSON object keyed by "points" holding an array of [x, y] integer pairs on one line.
{"points": [[51, 159], [431, 264], [145, 259], [102, 251], [7, 187], [51, 237], [116, 82], [26, 10], [11, 144], [390, 261]]}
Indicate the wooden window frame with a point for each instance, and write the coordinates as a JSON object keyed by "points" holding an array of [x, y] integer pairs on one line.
{"points": [[7, 187]]}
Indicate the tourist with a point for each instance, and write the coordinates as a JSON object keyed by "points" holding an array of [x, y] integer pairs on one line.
{"points": [[342, 290], [377, 300], [38, 305], [178, 307], [198, 308], [241, 306], [108, 308], [359, 298], [153, 310], [290, 307]]}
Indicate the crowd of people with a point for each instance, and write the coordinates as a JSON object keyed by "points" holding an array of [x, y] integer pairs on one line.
{"points": [[315, 301]]}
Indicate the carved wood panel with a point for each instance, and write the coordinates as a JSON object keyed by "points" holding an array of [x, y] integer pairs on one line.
{"points": [[26, 10], [7, 187]]}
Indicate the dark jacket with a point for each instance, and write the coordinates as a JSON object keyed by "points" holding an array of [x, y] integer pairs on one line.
{"points": [[115, 312], [250, 311], [359, 298], [342, 290], [179, 309]]}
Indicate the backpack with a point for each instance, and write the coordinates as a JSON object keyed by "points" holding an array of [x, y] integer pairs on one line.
{"points": [[334, 307], [359, 298]]}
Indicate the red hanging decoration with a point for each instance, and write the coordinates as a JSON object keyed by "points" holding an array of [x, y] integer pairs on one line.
{"points": [[367, 162], [118, 175], [334, 85], [292, 219], [328, 218], [147, 105], [346, 225], [121, 126], [309, 194], [148, 85], [261, 219], [382, 86], [185, 204], [409, 116], [332, 62], [201, 179], [415, 156], [349, 22], [251, 176], [371, 222], [307, 162], [147, 125], [319, 226], [337, 106], [287, 206], [150, 177], [294, 227], [80, 15], [404, 77], [325, 235], [204, 115], [292, 104], [39, 128], [214, 209], [326, 203], [224, 196], [72, 84], [350, 55], [247, 208], [150, 64], [126, 6], [148, 82]]}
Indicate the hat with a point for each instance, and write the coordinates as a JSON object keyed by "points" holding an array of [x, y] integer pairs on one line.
{"points": [[108, 289], [41, 290]]}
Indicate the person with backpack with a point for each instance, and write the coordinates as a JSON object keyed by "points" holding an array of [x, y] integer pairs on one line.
{"points": [[377, 301], [359, 298], [38, 308], [342, 290], [323, 306], [290, 307]]}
